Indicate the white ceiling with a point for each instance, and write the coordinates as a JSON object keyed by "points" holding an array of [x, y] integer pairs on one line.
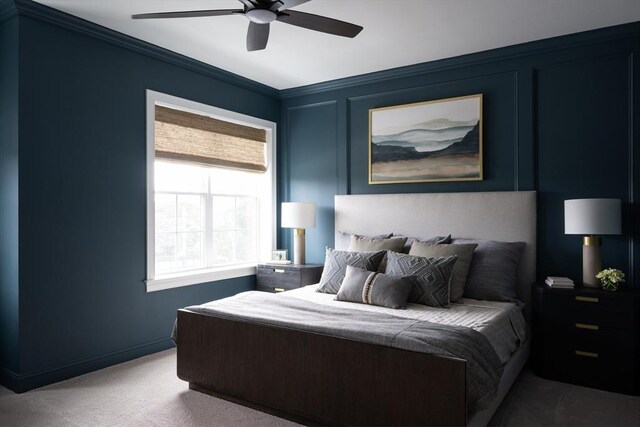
{"points": [[396, 32]]}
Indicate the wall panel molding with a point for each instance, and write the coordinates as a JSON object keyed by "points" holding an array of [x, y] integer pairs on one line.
{"points": [[315, 163], [584, 123], [500, 89], [635, 224]]}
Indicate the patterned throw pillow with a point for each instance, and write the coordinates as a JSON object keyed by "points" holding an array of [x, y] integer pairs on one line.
{"points": [[370, 287], [432, 276], [335, 266], [460, 270]]}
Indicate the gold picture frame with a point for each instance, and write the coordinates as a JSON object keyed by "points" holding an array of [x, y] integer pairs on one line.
{"points": [[430, 141]]}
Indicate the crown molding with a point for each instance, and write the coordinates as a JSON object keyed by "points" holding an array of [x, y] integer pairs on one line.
{"points": [[499, 54], [11, 8], [49, 15]]}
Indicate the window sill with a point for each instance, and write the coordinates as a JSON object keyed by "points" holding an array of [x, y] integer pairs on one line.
{"points": [[201, 276]]}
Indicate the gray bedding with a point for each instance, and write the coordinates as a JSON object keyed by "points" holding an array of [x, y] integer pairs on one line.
{"points": [[484, 367]]}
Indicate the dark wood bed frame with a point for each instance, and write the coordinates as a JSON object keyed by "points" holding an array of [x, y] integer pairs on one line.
{"points": [[318, 379]]}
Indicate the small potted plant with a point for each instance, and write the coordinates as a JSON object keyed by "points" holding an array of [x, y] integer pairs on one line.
{"points": [[610, 278]]}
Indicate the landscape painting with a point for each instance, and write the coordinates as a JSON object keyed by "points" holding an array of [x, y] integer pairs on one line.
{"points": [[428, 141]]}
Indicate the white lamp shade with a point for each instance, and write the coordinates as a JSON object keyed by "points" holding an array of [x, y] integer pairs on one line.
{"points": [[298, 215], [592, 216]]}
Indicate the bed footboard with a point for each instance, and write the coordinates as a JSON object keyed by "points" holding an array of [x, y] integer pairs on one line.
{"points": [[318, 378]]}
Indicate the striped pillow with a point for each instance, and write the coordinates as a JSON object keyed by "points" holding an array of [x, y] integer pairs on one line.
{"points": [[369, 287]]}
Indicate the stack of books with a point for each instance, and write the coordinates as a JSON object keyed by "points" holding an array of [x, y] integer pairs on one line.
{"points": [[559, 282]]}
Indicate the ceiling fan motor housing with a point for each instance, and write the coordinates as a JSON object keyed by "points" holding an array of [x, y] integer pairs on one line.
{"points": [[261, 16]]}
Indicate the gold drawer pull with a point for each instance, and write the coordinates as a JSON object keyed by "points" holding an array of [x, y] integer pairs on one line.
{"points": [[278, 289], [587, 299], [587, 326], [586, 354], [278, 270]]}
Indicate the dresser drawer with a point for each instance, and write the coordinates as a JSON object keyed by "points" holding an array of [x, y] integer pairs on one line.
{"points": [[593, 361], [589, 310], [279, 278], [608, 345], [276, 279]]}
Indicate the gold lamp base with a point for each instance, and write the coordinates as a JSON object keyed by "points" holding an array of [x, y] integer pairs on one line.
{"points": [[591, 261], [298, 246]]}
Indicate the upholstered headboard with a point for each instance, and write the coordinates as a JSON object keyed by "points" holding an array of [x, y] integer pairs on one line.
{"points": [[504, 216]]}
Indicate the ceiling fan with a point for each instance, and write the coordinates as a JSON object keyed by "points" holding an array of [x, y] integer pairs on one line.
{"points": [[261, 13]]}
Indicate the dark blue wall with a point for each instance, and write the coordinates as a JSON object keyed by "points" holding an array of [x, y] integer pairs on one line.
{"points": [[560, 117], [9, 195], [82, 201]]}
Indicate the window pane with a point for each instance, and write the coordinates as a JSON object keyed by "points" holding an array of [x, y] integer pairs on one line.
{"points": [[177, 177], [223, 243], [165, 213], [224, 213], [190, 213], [189, 250], [234, 182], [246, 213], [245, 245], [165, 252]]}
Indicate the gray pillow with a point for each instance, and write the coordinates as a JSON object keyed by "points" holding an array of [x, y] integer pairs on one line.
{"points": [[335, 266], [432, 276], [343, 239], [368, 287], [363, 243], [461, 267], [435, 240], [493, 271]]}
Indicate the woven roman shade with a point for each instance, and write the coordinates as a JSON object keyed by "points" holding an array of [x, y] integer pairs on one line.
{"points": [[195, 138]]}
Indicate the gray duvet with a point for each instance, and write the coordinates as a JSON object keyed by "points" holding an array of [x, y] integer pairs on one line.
{"points": [[484, 368]]}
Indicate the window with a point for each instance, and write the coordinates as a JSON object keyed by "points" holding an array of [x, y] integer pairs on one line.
{"points": [[210, 197]]}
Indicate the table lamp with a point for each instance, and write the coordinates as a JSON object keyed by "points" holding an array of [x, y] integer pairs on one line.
{"points": [[299, 216], [592, 217]]}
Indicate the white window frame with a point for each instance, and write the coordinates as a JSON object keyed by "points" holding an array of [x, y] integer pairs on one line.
{"points": [[267, 227]]}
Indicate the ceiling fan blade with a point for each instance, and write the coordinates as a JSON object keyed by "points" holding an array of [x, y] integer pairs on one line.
{"points": [[320, 23], [248, 3], [188, 14], [287, 4], [257, 36]]}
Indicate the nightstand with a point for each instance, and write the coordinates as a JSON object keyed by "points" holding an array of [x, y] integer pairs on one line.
{"points": [[588, 337], [279, 278]]}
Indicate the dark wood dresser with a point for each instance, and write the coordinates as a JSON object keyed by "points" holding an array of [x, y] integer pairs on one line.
{"points": [[588, 337], [279, 278]]}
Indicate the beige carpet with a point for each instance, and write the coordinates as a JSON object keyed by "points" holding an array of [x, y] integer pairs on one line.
{"points": [[146, 392]]}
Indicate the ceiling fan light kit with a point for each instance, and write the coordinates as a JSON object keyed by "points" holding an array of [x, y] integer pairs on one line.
{"points": [[261, 13], [261, 16]]}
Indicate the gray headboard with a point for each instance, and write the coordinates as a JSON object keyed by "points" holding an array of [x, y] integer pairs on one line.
{"points": [[503, 216]]}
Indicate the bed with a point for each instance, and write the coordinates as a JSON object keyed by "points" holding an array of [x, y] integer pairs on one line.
{"points": [[314, 377]]}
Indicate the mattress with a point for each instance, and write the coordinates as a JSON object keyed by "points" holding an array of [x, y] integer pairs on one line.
{"points": [[502, 323]]}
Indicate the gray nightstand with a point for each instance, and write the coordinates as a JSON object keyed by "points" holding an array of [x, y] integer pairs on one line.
{"points": [[279, 278]]}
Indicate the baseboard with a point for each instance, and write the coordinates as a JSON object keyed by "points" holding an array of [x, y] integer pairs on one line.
{"points": [[9, 379], [20, 383]]}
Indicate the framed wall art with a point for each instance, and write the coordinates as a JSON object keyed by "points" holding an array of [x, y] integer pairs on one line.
{"points": [[430, 141]]}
